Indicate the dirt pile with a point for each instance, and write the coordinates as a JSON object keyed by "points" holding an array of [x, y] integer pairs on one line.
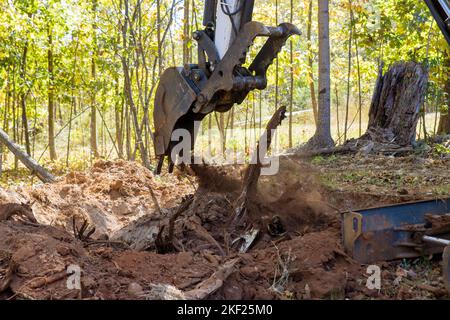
{"points": [[110, 196], [308, 267], [41, 257], [287, 247]]}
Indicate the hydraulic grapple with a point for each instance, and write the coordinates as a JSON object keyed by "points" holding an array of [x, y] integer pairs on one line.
{"points": [[219, 79]]}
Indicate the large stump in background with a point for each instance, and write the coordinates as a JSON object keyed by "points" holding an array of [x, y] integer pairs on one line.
{"points": [[396, 103]]}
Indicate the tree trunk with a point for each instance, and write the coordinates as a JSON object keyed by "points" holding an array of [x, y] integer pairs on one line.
{"points": [[277, 64], [338, 125], [349, 71], [444, 121], [220, 121], [186, 33], [312, 89], [51, 107], [322, 138], [29, 162], [129, 96], [358, 68], [158, 33], [291, 75], [93, 123], [118, 117], [396, 103], [23, 98]]}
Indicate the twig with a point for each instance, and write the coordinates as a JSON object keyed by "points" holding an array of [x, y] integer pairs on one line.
{"points": [[165, 244], [81, 233]]}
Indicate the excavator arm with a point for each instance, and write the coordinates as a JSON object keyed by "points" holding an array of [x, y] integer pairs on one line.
{"points": [[440, 9], [219, 79]]}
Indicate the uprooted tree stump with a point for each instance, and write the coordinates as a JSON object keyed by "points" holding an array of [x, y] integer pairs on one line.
{"points": [[396, 104]]}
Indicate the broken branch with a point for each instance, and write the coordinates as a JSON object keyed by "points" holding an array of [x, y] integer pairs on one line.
{"points": [[253, 170]]}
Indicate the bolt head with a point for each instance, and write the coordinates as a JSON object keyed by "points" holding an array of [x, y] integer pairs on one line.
{"points": [[201, 98], [197, 76]]}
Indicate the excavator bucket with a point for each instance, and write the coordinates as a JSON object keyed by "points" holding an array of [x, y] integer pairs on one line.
{"points": [[174, 98]]}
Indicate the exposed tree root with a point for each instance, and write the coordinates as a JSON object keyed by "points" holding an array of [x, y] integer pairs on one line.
{"points": [[253, 171], [164, 243]]}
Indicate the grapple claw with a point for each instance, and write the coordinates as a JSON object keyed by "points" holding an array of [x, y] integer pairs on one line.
{"points": [[186, 95]]}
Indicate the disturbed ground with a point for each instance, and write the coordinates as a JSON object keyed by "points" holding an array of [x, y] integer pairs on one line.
{"points": [[150, 243]]}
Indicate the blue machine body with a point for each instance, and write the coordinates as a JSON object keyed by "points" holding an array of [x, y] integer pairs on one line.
{"points": [[385, 233]]}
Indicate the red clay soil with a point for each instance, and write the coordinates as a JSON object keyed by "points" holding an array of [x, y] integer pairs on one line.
{"points": [[110, 196], [42, 254], [303, 259]]}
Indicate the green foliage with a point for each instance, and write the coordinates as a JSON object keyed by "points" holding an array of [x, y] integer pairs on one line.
{"points": [[389, 30], [441, 149], [320, 160]]}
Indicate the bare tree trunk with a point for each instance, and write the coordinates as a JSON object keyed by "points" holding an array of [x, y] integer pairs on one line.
{"points": [[349, 72], [23, 98], [254, 118], [186, 33], [276, 62], [291, 60], [118, 117], [220, 121], [158, 31], [232, 123], [93, 123], [245, 128], [127, 130], [73, 103], [51, 106], [129, 94], [322, 138], [210, 135], [5, 119], [396, 102], [312, 88], [444, 121], [338, 125], [260, 112], [358, 67], [14, 113], [29, 162]]}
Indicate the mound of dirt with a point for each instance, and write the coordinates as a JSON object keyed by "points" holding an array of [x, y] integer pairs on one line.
{"points": [[110, 196], [41, 258], [308, 267], [296, 252]]}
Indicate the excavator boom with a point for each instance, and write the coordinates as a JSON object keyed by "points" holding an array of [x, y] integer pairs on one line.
{"points": [[440, 9]]}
